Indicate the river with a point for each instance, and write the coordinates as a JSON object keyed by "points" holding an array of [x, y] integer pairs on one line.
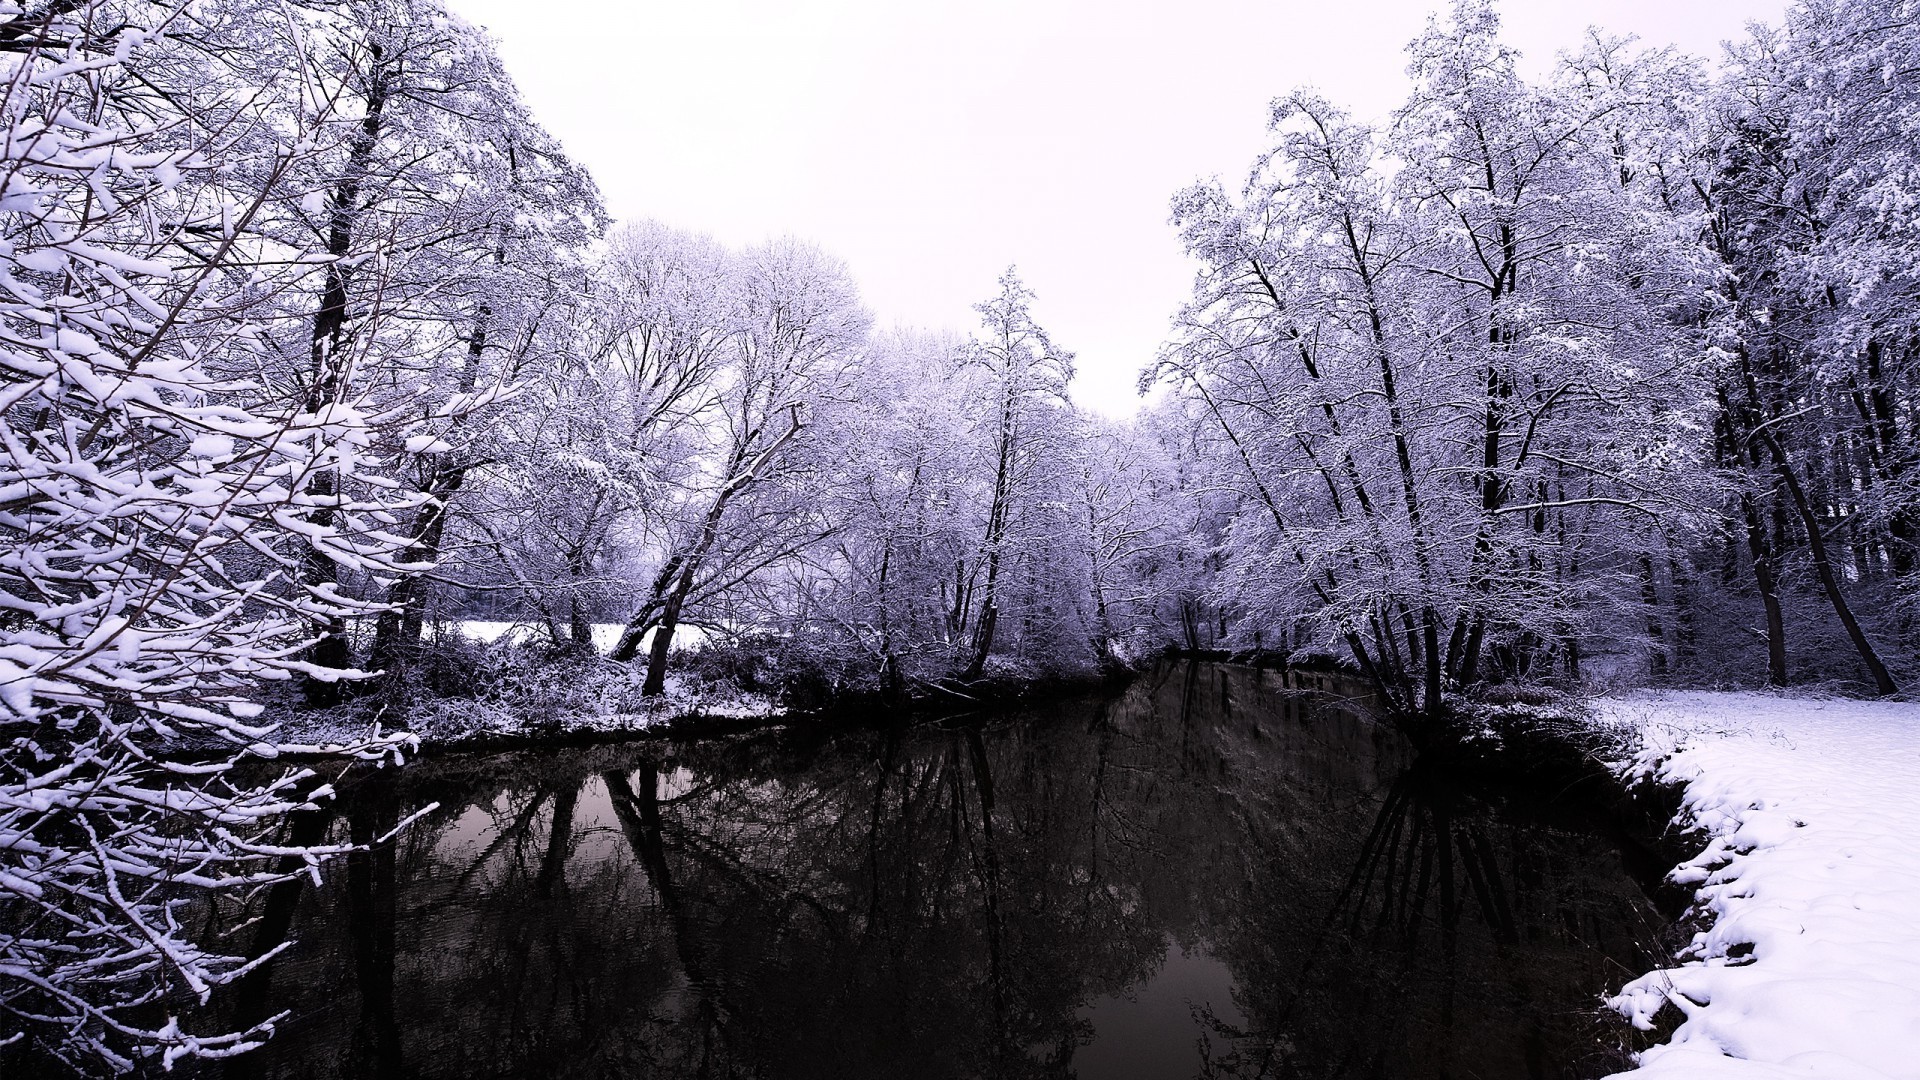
{"points": [[1216, 872]]}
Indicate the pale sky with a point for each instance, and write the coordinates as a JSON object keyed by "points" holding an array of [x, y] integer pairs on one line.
{"points": [[931, 143]]}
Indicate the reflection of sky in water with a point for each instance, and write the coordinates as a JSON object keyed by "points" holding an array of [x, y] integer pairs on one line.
{"points": [[1153, 1031]]}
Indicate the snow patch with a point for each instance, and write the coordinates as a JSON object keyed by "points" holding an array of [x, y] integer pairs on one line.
{"points": [[605, 635], [1810, 963]]}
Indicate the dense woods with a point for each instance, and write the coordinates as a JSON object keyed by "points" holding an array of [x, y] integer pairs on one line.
{"points": [[316, 344], [1527, 369]]}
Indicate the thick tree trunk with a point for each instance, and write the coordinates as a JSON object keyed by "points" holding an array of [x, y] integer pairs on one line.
{"points": [[332, 648], [1470, 649], [579, 619], [662, 644], [397, 631], [648, 616]]}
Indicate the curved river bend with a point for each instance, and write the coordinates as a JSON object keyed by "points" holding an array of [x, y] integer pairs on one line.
{"points": [[1208, 874]]}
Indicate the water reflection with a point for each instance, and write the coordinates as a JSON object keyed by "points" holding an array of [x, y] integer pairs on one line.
{"points": [[1209, 875]]}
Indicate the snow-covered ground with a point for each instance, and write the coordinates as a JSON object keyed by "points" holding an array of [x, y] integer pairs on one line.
{"points": [[605, 635], [1810, 964], [599, 699], [602, 705]]}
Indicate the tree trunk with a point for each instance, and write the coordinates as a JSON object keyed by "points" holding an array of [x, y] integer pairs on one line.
{"points": [[397, 631], [1882, 680], [656, 683], [332, 648], [1762, 555], [744, 473], [1656, 633], [1685, 649], [648, 616], [996, 536]]}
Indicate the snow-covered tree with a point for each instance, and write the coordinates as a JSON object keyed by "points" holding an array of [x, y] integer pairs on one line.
{"points": [[1447, 369], [157, 505], [437, 218], [716, 360], [895, 474], [1813, 157], [1022, 388]]}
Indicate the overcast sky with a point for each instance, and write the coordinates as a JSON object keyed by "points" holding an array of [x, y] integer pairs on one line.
{"points": [[930, 143]]}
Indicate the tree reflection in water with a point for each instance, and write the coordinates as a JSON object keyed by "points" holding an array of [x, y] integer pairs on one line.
{"points": [[953, 900]]}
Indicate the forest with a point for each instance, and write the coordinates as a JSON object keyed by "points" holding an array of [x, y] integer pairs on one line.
{"points": [[314, 346]]}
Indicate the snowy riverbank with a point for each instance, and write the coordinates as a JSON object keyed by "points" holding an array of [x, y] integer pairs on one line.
{"points": [[1808, 965], [498, 684], [462, 724]]}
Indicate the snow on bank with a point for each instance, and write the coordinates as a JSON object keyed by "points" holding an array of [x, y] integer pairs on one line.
{"points": [[605, 635], [1809, 965], [529, 700], [601, 707]]}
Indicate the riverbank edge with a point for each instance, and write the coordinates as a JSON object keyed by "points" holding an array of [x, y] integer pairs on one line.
{"points": [[321, 735], [1564, 752], [1802, 954]]}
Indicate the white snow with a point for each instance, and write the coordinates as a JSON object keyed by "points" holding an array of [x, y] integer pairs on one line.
{"points": [[1809, 965], [596, 699], [427, 444], [605, 635]]}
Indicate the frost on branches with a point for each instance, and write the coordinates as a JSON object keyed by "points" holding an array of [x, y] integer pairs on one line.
{"points": [[157, 497]]}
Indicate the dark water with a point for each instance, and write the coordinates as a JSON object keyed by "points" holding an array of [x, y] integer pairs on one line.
{"points": [[1205, 876]]}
